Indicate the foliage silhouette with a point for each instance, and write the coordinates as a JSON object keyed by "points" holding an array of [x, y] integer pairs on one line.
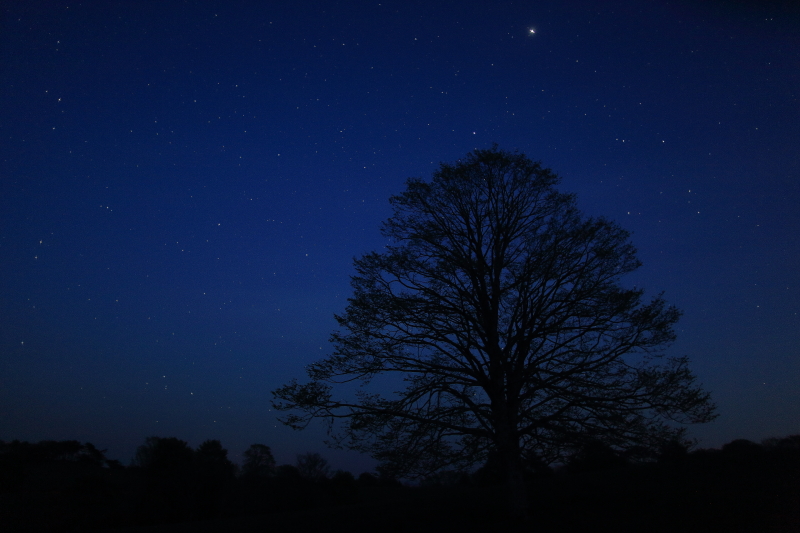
{"points": [[258, 462], [500, 306], [288, 473], [214, 473], [212, 460], [343, 477], [313, 466], [595, 455], [164, 455], [673, 452], [741, 487], [51, 450], [55, 465]]}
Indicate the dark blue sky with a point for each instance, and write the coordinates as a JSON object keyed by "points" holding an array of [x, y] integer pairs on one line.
{"points": [[184, 185]]}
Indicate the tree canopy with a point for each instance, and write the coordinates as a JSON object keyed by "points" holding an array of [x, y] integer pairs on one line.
{"points": [[500, 304], [258, 462]]}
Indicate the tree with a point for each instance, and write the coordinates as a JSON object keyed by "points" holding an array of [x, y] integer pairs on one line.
{"points": [[164, 455], [501, 306], [258, 462], [313, 466], [212, 460], [170, 484], [213, 472]]}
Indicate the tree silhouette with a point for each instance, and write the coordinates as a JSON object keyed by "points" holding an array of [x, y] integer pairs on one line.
{"points": [[258, 462], [49, 451], [595, 455], [500, 305], [313, 466], [212, 460], [169, 480], [214, 471], [164, 455]]}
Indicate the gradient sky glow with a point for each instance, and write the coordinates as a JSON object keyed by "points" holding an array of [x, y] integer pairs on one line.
{"points": [[184, 185]]}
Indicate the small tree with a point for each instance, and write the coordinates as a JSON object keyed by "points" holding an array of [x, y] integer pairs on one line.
{"points": [[500, 305], [313, 466], [170, 481], [258, 462], [164, 455], [212, 460]]}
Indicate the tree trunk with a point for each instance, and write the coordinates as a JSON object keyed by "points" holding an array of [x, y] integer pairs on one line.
{"points": [[517, 497], [511, 468]]}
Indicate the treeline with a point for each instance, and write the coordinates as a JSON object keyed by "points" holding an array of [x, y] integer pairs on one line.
{"points": [[68, 485], [57, 485]]}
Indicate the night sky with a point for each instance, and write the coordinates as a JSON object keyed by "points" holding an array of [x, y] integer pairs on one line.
{"points": [[184, 185]]}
